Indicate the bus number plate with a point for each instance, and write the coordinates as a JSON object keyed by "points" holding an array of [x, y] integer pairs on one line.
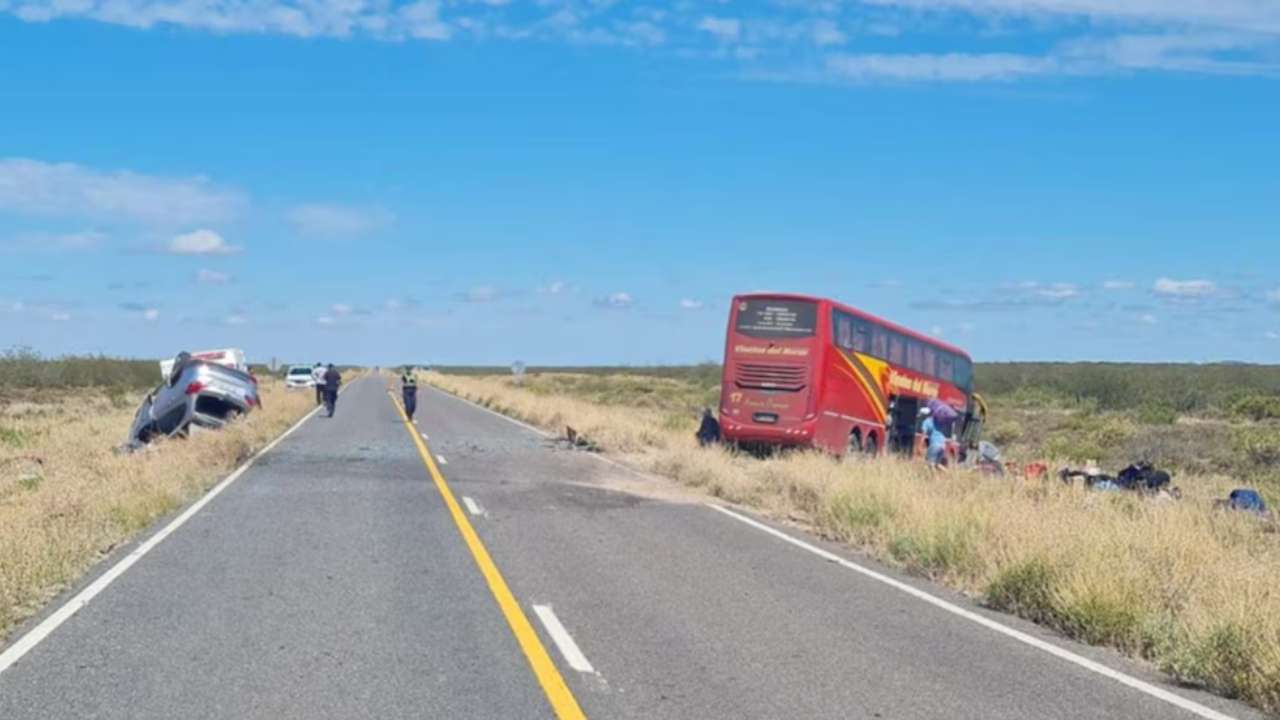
{"points": [[765, 417]]}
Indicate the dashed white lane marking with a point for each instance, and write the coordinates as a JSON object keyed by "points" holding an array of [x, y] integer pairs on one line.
{"points": [[425, 436], [472, 507], [568, 648], [440, 459], [27, 642], [1139, 685]]}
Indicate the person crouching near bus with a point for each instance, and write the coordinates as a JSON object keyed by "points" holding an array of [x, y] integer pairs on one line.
{"points": [[935, 455], [709, 431]]}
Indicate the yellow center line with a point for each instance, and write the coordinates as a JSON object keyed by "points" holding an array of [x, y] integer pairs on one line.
{"points": [[558, 694]]}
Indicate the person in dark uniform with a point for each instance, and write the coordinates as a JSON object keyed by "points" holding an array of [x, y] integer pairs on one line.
{"points": [[409, 389], [332, 382], [709, 432]]}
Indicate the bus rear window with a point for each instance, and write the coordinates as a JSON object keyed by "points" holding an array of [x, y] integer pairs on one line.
{"points": [[776, 318]]}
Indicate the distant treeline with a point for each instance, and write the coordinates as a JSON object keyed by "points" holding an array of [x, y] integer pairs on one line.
{"points": [[24, 368], [1178, 387]]}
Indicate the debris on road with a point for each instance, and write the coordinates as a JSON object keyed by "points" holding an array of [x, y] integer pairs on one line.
{"points": [[573, 440]]}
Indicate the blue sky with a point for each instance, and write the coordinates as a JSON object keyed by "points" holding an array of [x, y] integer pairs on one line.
{"points": [[589, 181]]}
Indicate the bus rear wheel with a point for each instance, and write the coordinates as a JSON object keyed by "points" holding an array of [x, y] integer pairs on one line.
{"points": [[871, 447], [854, 446]]}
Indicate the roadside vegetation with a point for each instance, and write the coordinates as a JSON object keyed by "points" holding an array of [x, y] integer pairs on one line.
{"points": [[1193, 589], [66, 498]]}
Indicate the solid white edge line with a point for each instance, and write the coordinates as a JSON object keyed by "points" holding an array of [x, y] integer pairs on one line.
{"points": [[472, 507], [542, 432], [568, 648], [1087, 664], [495, 413], [441, 460], [36, 635]]}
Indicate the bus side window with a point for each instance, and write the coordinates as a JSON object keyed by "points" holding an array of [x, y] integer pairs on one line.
{"points": [[963, 372], [945, 360], [861, 336], [914, 361], [880, 343], [930, 361], [844, 330], [897, 352]]}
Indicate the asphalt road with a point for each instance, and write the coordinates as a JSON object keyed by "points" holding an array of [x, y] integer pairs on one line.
{"points": [[335, 579]]}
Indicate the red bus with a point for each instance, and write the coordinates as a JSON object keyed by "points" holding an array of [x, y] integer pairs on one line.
{"points": [[804, 371]]}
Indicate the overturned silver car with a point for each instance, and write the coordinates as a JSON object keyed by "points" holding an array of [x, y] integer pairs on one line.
{"points": [[196, 393]]}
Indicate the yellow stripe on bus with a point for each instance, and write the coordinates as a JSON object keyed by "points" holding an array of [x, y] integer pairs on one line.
{"points": [[872, 392]]}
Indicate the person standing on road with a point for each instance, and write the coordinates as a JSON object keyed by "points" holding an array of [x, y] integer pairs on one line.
{"points": [[332, 382], [409, 390], [317, 374]]}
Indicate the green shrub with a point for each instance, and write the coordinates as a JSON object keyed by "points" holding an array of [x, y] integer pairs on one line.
{"points": [[1259, 445], [1157, 414], [1024, 589], [1257, 407], [1005, 433]]}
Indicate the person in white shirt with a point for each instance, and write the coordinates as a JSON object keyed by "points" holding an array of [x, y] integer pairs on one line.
{"points": [[317, 374]]}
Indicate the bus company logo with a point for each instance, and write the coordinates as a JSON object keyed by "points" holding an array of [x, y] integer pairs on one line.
{"points": [[922, 387], [735, 397], [763, 404], [742, 307], [771, 350]]}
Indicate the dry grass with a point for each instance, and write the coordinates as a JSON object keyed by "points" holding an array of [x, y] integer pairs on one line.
{"points": [[1192, 589], [66, 499]]}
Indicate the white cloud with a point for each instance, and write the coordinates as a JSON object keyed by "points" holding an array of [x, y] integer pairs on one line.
{"points": [[1274, 296], [826, 32], [151, 314], [341, 309], [52, 310], [937, 330], [330, 221], [1261, 15], [556, 288], [1185, 288], [967, 327], [691, 304], [1271, 335], [780, 39], [236, 320], [200, 242], [212, 277], [483, 293], [34, 187], [1148, 319], [724, 28], [325, 320], [55, 242], [948, 67], [1060, 291], [616, 301], [1117, 285]]}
